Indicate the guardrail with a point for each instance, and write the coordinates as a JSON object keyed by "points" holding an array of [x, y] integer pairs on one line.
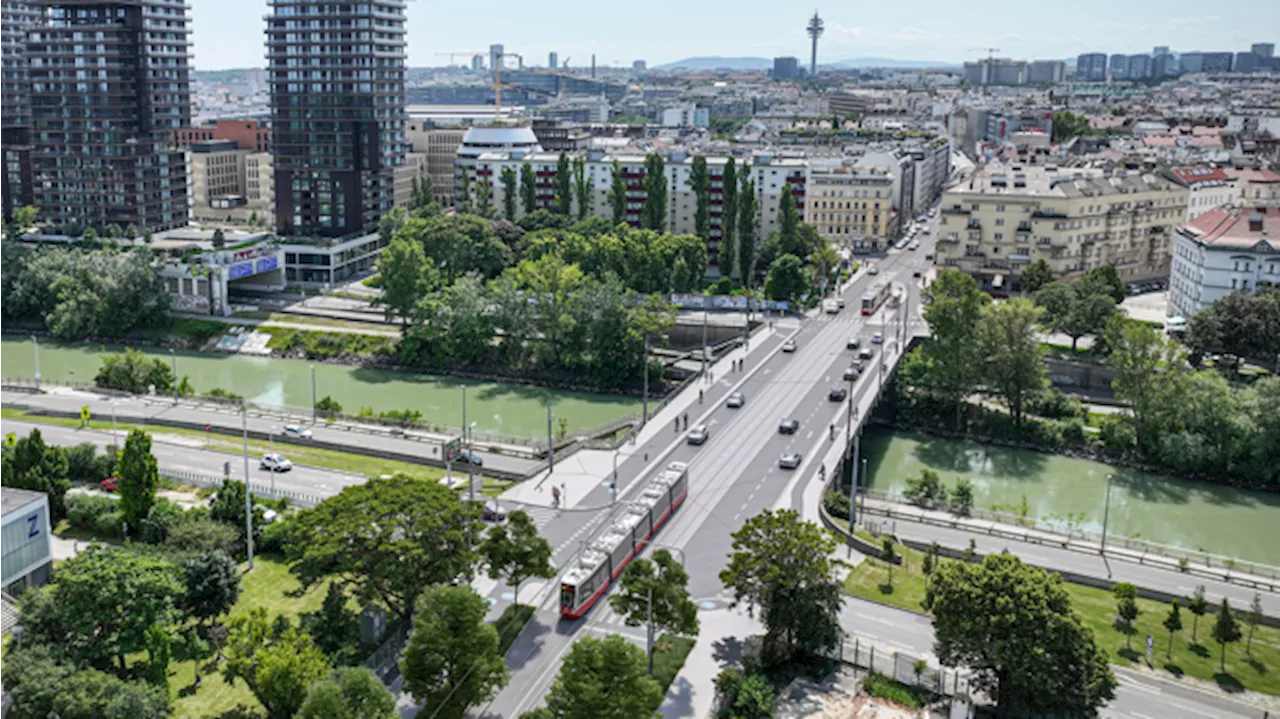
{"points": [[298, 499], [903, 668], [1077, 538]]}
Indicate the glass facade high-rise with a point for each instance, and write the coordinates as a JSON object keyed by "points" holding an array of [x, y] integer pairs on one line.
{"points": [[15, 96], [109, 85], [337, 113]]}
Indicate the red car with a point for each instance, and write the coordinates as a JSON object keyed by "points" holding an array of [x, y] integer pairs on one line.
{"points": [[110, 484]]}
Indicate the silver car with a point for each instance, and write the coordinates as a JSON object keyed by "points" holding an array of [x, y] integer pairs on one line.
{"points": [[789, 346], [297, 430], [789, 460], [698, 434], [736, 400]]}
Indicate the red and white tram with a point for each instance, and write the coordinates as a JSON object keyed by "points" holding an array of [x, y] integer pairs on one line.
{"points": [[603, 560]]}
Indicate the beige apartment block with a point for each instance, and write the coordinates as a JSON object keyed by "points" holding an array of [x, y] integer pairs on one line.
{"points": [[1008, 216], [852, 205]]}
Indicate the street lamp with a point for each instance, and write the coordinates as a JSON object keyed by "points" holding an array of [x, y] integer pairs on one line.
{"points": [[114, 439], [649, 623], [271, 440], [614, 484], [313, 394], [174, 358], [1106, 515], [35, 346], [470, 431]]}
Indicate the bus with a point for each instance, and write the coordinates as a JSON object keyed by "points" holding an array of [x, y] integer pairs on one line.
{"points": [[874, 298], [601, 563]]}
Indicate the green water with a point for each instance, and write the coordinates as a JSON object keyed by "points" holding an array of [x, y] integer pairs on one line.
{"points": [[511, 409], [1193, 515]]}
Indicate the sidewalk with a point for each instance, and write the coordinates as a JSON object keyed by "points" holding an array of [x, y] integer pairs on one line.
{"points": [[579, 474]]}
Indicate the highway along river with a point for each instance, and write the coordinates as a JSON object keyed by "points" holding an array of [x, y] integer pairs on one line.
{"points": [[509, 408], [1193, 515]]}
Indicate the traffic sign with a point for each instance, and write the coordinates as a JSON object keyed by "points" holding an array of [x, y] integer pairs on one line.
{"points": [[452, 448], [84, 413]]}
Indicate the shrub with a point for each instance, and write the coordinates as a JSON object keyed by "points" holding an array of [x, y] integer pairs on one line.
{"points": [[328, 405], [1117, 433], [109, 524], [836, 504], [82, 463], [161, 518], [83, 510], [204, 534], [1073, 432], [1053, 404], [133, 371], [924, 490], [221, 393]]}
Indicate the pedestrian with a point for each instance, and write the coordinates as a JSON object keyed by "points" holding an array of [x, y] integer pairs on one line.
{"points": [[686, 420], [564, 496], [699, 396], [646, 456], [555, 496]]}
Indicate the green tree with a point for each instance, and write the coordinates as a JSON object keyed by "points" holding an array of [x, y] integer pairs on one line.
{"points": [[1037, 275], [515, 552], [34, 465], [654, 213], [953, 310], [42, 687], [464, 191], [391, 222], [824, 261], [784, 566], [889, 556], [219, 239], [924, 490], [744, 696], [22, 219], [135, 372], [656, 594], [139, 478], [748, 228], [349, 693], [406, 275], [1198, 606], [1075, 310], [1009, 341], [729, 220], [603, 678], [509, 193], [962, 497], [1225, 631], [1030, 653], [100, 605], [452, 660], [386, 538], [700, 183], [211, 582], [581, 187], [275, 660], [1149, 372], [1068, 125], [789, 224], [564, 186], [617, 194], [335, 628], [786, 280], [458, 244], [528, 188], [329, 405], [1240, 324], [1107, 279], [484, 199], [1126, 608], [1254, 618], [1173, 623]]}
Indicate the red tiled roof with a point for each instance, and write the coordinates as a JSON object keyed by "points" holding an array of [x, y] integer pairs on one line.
{"points": [[1159, 141], [1230, 228], [1197, 174], [1267, 176]]}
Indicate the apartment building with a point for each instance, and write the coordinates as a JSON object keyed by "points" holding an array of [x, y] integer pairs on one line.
{"points": [[220, 183], [246, 134], [1008, 216], [1207, 187], [1222, 251], [1256, 188], [852, 205], [414, 164], [440, 145], [16, 188]]}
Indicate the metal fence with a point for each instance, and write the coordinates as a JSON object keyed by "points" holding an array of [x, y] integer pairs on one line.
{"points": [[902, 667], [1071, 533], [296, 498]]}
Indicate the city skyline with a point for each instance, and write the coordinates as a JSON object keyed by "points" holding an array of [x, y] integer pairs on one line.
{"points": [[666, 31]]}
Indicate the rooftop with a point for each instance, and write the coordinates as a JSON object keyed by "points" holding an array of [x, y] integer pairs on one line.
{"points": [[11, 500], [1237, 229], [1020, 180]]}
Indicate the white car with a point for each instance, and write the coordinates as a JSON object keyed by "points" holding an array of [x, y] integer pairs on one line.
{"points": [[877, 338], [698, 434], [297, 430], [831, 307], [268, 515], [789, 346], [873, 270], [276, 463]]}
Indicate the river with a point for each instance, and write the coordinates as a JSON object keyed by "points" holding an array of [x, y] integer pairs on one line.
{"points": [[1167, 510], [512, 409]]}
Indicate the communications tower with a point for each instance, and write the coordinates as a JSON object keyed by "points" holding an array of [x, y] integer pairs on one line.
{"points": [[814, 29]]}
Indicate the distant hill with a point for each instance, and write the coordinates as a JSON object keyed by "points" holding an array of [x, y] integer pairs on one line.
{"points": [[764, 63], [719, 63], [862, 62]]}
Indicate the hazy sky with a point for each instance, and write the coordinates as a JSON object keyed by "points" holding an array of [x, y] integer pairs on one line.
{"points": [[229, 33]]}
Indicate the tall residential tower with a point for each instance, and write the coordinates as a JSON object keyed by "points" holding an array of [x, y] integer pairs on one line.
{"points": [[337, 113], [15, 120], [100, 133]]}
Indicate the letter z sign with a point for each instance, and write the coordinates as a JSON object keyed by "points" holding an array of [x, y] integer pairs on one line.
{"points": [[33, 526]]}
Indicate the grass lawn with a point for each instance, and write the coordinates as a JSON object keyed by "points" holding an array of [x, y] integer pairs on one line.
{"points": [[300, 454], [269, 585], [668, 657], [882, 687], [1097, 608], [510, 624]]}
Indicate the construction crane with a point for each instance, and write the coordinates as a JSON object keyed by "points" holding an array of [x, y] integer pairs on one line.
{"points": [[991, 51], [497, 80], [452, 55], [991, 62]]}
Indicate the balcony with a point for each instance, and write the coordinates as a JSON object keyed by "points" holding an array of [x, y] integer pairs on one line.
{"points": [[1024, 226], [974, 224], [954, 210]]}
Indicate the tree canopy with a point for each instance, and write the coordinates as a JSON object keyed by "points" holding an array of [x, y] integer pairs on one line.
{"points": [[1012, 627], [452, 660], [276, 661], [515, 552], [603, 678]]}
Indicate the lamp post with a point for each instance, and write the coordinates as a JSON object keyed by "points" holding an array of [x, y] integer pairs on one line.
{"points": [[248, 495], [35, 345], [114, 440], [644, 370], [313, 394], [1106, 514], [614, 484], [705, 320], [649, 623], [853, 484], [471, 482], [173, 357]]}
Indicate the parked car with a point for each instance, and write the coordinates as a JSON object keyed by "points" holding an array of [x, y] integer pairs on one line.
{"points": [[789, 460], [736, 400], [837, 394], [789, 346], [297, 430], [492, 511], [698, 434], [276, 463], [788, 426], [110, 484]]}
